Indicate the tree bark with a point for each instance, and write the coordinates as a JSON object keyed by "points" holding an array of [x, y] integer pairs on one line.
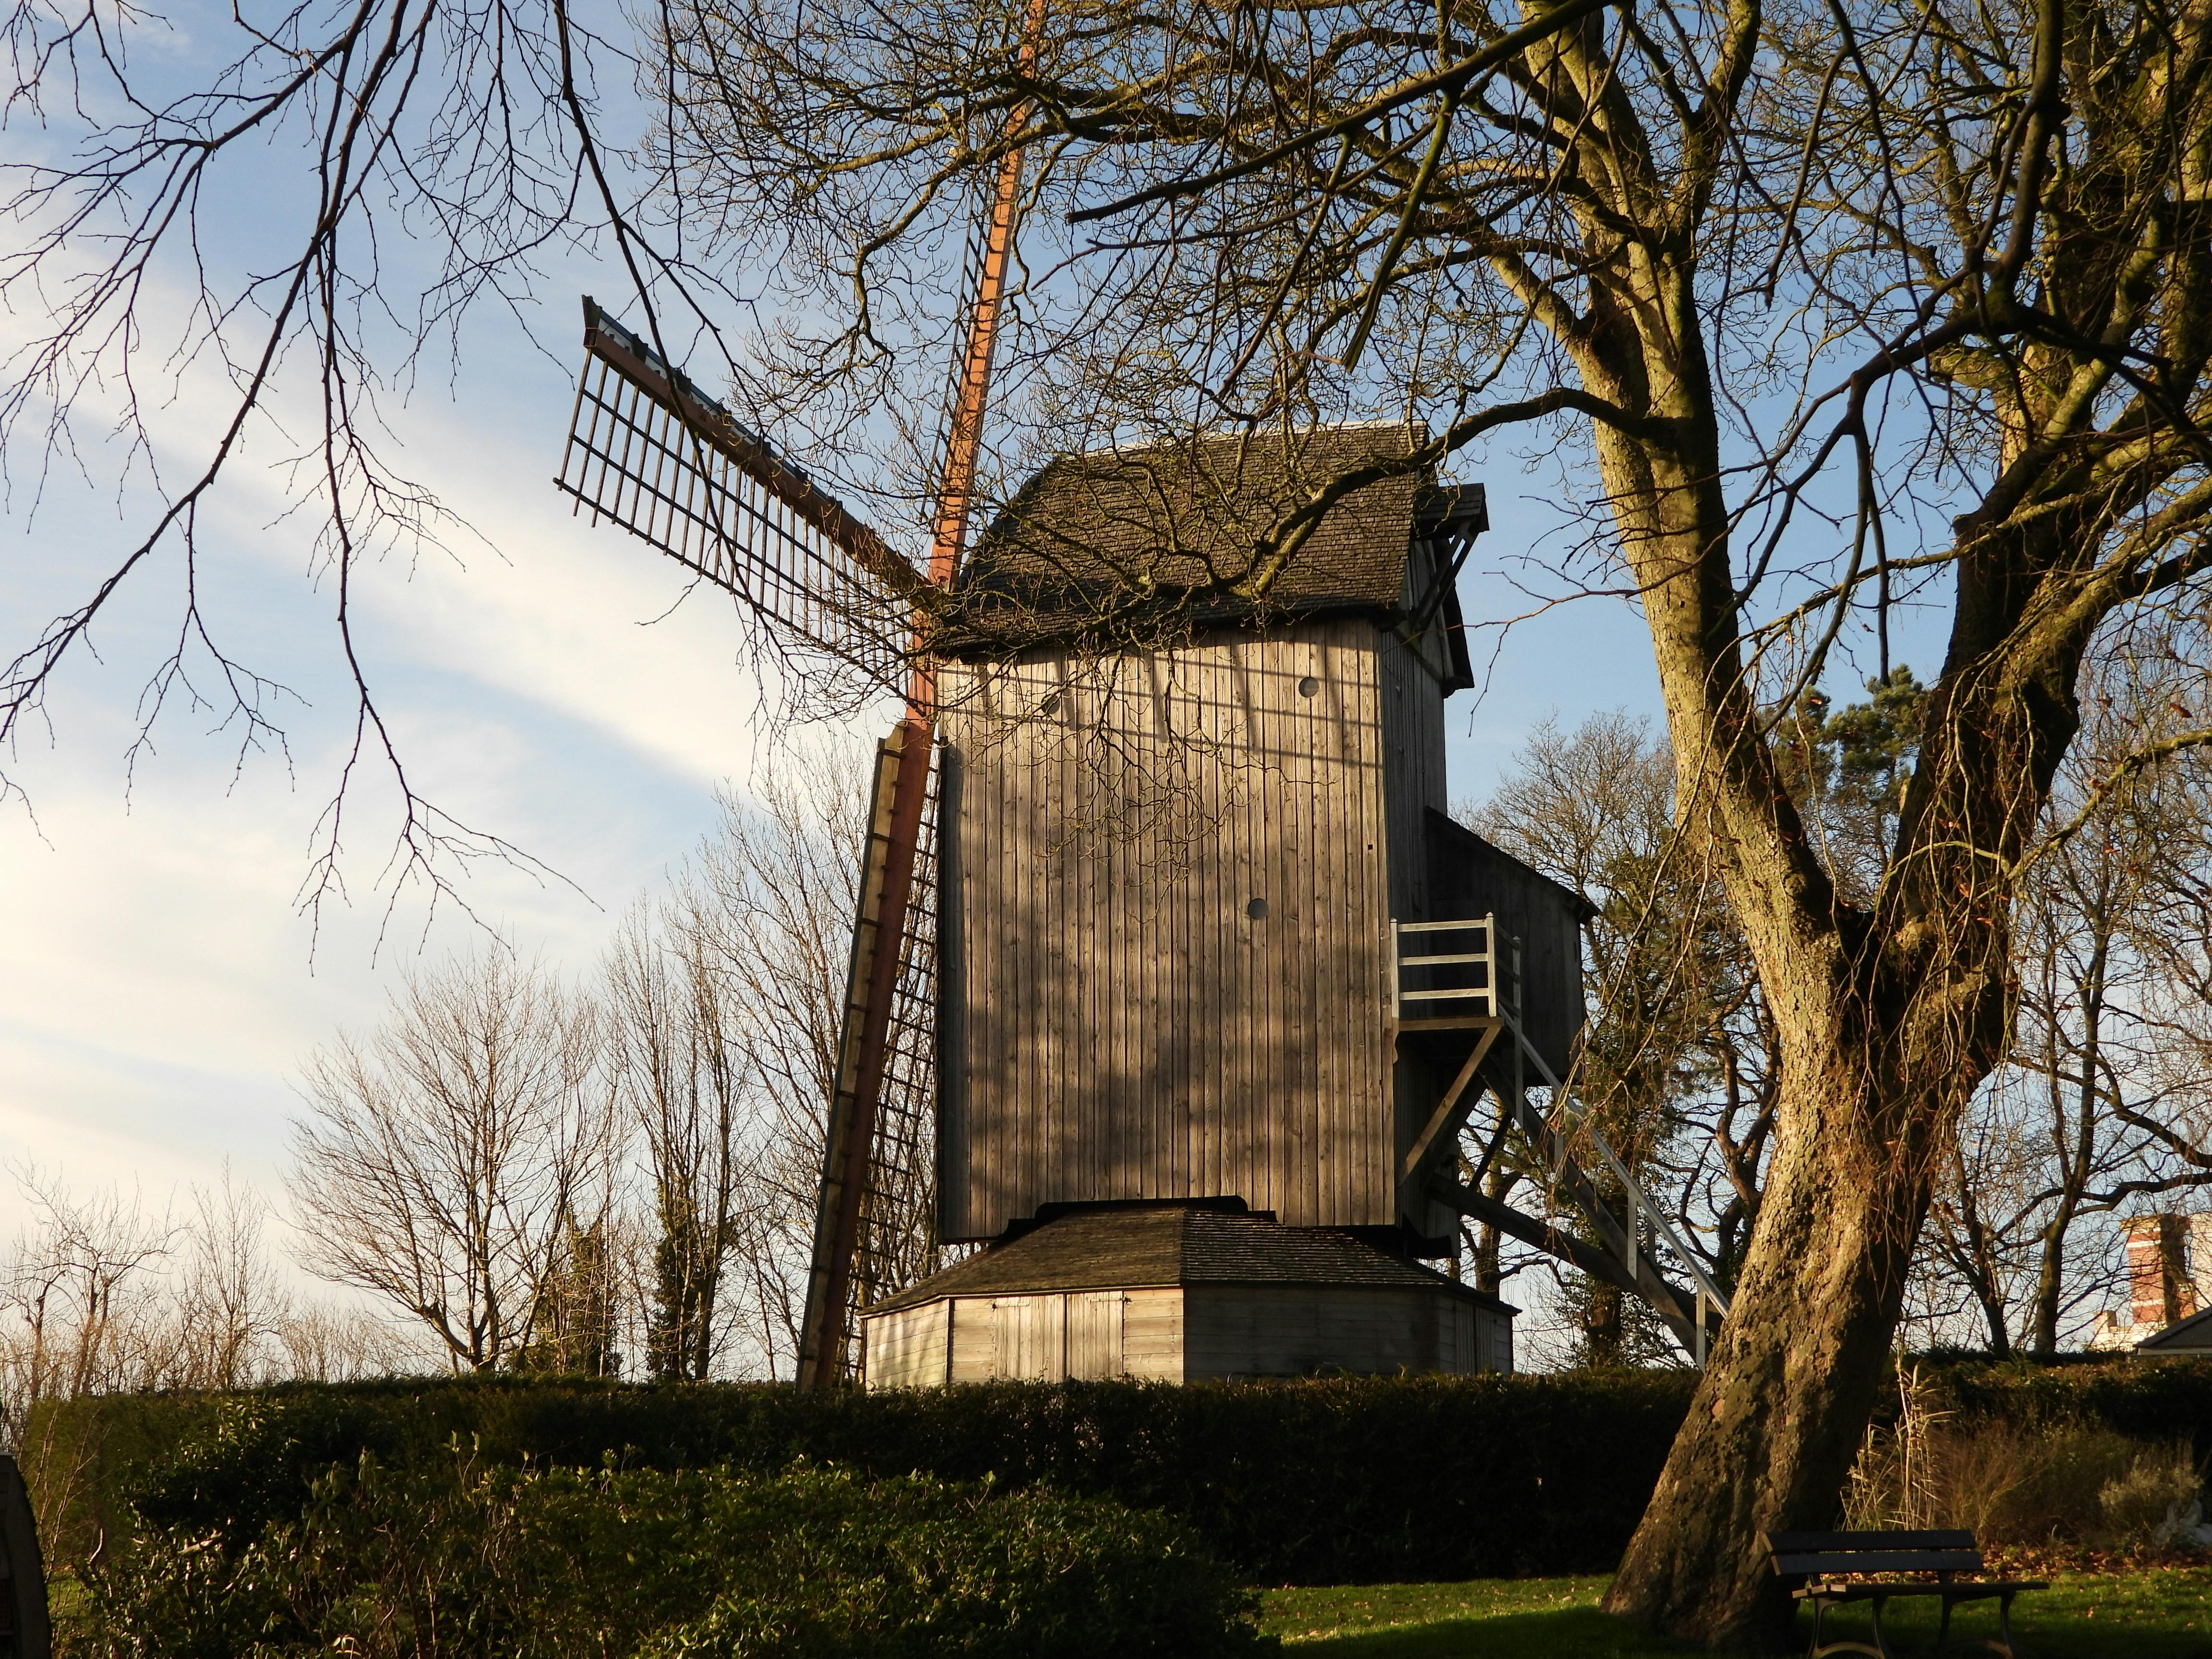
{"points": [[1888, 1020]]}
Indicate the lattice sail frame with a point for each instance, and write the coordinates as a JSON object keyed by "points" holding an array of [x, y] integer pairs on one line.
{"points": [[898, 1244], [650, 452]]}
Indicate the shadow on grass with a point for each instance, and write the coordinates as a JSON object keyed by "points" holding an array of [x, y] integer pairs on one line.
{"points": [[1565, 1633], [2082, 1620]]}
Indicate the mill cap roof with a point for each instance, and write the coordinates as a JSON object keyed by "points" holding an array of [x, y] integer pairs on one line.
{"points": [[1182, 529], [1151, 1246]]}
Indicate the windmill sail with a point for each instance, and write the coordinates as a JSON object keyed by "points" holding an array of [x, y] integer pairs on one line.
{"points": [[649, 451]]}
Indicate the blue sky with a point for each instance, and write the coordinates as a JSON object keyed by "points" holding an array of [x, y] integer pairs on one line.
{"points": [[161, 980]]}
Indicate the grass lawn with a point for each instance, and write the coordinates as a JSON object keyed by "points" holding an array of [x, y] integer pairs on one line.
{"points": [[2164, 1614]]}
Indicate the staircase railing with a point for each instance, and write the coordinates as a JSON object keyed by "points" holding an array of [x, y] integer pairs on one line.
{"points": [[1566, 1126]]}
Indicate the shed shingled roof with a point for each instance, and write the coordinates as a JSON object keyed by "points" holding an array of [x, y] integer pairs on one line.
{"points": [[1150, 1246], [1176, 520]]}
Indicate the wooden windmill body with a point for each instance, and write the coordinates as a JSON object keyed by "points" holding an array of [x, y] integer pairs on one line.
{"points": [[1183, 1093]]}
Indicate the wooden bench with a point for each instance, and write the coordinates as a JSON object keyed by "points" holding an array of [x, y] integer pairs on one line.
{"points": [[1842, 1567]]}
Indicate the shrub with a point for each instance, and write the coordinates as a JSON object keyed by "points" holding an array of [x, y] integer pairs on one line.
{"points": [[2149, 1504], [467, 1561], [2047, 1473]]}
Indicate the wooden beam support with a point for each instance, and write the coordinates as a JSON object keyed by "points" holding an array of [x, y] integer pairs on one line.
{"points": [[1545, 1236], [1669, 1301], [1443, 1124]]}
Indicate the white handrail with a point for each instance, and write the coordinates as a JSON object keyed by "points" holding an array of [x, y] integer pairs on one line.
{"points": [[1486, 958]]}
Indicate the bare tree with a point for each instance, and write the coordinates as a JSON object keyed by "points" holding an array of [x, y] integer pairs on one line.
{"points": [[323, 1343], [443, 1162], [82, 1298], [2100, 1105], [681, 1079], [230, 1306]]}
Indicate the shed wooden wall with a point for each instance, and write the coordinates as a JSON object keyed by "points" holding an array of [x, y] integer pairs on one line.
{"points": [[1046, 1338], [1118, 1026], [1188, 1335]]}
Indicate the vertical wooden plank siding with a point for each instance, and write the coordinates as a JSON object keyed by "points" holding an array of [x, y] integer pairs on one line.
{"points": [[1028, 1335], [1412, 768], [1125, 1027], [1412, 783], [1094, 1334], [907, 1349]]}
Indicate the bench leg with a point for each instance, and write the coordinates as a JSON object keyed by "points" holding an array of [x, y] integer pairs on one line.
{"points": [[1880, 1638], [2004, 1629], [1822, 1651], [1943, 1628]]}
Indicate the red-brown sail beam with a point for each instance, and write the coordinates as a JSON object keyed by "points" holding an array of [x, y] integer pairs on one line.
{"points": [[823, 1335]]}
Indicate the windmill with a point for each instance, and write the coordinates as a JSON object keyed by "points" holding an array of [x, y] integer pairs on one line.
{"points": [[1196, 1037]]}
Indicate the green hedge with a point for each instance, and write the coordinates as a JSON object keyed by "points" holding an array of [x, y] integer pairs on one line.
{"points": [[2144, 1399], [1358, 1480], [469, 1562], [1324, 1481]]}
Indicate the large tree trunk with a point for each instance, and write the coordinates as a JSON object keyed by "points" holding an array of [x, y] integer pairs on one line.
{"points": [[1779, 1415], [1888, 1018]]}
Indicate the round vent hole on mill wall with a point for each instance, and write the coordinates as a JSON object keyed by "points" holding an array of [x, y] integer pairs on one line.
{"points": [[1257, 910], [1309, 686]]}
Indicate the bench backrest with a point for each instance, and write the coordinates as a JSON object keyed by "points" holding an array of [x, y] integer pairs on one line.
{"points": [[1800, 1554]]}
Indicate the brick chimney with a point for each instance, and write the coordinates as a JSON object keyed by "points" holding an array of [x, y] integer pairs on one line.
{"points": [[2159, 1282]]}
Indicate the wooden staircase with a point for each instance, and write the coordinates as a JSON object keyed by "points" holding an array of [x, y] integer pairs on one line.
{"points": [[1458, 1008]]}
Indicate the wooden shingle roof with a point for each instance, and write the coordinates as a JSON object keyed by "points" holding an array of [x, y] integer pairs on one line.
{"points": [[1141, 1246], [1176, 533]]}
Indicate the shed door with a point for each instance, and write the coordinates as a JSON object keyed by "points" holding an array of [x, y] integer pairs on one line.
{"points": [[1026, 1339], [1094, 1334]]}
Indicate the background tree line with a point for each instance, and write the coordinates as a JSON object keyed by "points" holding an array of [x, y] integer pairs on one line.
{"points": [[2102, 1105], [513, 1170]]}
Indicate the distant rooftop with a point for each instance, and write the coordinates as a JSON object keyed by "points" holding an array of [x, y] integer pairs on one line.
{"points": [[2192, 1335]]}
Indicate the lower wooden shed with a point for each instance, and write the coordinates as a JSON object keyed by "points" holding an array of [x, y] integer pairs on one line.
{"points": [[1180, 1293]]}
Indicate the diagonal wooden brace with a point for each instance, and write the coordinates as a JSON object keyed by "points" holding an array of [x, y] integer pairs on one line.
{"points": [[1452, 1111]]}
